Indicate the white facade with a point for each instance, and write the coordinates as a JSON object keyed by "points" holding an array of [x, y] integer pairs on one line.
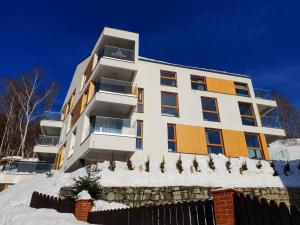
{"points": [[93, 144]]}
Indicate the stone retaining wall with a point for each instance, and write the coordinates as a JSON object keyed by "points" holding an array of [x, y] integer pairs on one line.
{"points": [[136, 196]]}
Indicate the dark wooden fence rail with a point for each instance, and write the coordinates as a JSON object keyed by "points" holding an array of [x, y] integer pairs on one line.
{"points": [[252, 211], [186, 213], [39, 200]]}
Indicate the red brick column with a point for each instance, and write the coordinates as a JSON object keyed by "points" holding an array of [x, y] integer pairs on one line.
{"points": [[224, 206], [82, 209]]}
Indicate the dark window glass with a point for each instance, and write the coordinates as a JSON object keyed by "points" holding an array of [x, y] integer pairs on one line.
{"points": [[169, 99], [198, 83], [139, 143], [252, 140], [168, 78], [171, 132], [209, 104], [169, 112], [207, 116], [245, 109], [140, 105], [213, 137], [215, 149], [241, 92], [241, 89], [248, 121], [197, 86], [171, 146], [254, 154], [139, 134]]}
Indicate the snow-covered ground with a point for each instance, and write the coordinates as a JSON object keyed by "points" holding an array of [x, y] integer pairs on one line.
{"points": [[14, 202], [288, 149]]}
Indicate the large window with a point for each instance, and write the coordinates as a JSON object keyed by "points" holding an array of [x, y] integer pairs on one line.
{"points": [[210, 109], [241, 89], [254, 146], [214, 141], [140, 105], [139, 135], [169, 104], [247, 114], [172, 138], [198, 83], [168, 78]]}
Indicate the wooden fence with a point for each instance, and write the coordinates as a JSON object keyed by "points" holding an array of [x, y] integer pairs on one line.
{"points": [[252, 211], [186, 213], [39, 200]]}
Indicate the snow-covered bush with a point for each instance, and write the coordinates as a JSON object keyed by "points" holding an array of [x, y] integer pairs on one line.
{"points": [[129, 164], [258, 164], [243, 167], [147, 165], [162, 165], [112, 165], [196, 165], [211, 163], [228, 165], [286, 168], [179, 164]]}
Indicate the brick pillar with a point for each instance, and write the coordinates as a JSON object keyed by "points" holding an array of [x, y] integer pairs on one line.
{"points": [[224, 206], [82, 209]]}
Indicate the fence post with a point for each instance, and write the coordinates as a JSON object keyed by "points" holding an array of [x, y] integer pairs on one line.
{"points": [[224, 206], [82, 209]]}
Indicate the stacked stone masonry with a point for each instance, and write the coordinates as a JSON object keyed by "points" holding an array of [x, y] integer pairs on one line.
{"points": [[137, 196]]}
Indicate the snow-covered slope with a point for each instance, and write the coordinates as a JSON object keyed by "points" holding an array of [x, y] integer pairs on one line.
{"points": [[288, 149], [14, 202]]}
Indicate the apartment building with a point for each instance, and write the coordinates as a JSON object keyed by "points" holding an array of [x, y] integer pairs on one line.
{"points": [[122, 105]]}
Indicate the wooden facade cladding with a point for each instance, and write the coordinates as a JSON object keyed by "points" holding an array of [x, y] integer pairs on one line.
{"points": [[264, 146], [235, 143], [90, 67], [220, 86], [59, 159], [191, 139]]}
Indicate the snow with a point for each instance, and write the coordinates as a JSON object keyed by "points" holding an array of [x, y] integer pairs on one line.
{"points": [[103, 205], [84, 195], [288, 149], [14, 202]]}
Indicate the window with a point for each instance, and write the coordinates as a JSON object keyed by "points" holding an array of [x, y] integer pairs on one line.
{"points": [[247, 114], [242, 89], [168, 78], [198, 83], [214, 141], [169, 104], [140, 105], [139, 135], [254, 146], [210, 109], [172, 138]]}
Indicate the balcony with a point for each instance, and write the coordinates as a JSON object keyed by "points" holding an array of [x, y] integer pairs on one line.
{"points": [[271, 122], [28, 167], [51, 123], [48, 115], [117, 53], [47, 140], [263, 94], [115, 86]]}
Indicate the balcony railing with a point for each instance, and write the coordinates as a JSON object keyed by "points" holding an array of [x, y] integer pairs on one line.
{"points": [[47, 140], [57, 116], [119, 53], [112, 85], [263, 94], [112, 126], [28, 167], [271, 121]]}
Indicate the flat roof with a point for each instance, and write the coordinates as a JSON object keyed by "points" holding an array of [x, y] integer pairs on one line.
{"points": [[192, 67]]}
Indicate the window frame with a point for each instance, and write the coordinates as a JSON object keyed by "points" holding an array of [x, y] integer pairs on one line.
{"points": [[197, 82], [175, 136], [209, 111], [140, 90], [248, 116], [239, 88], [170, 107], [255, 148], [218, 145], [142, 134], [168, 78]]}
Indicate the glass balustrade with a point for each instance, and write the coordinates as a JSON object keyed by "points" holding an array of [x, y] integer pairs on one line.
{"points": [[112, 85], [119, 53], [47, 140]]}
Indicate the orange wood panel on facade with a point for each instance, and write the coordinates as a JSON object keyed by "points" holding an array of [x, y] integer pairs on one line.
{"points": [[76, 111], [234, 143], [264, 146], [220, 85], [191, 139]]}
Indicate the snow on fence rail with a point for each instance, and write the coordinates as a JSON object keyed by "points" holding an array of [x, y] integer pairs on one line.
{"points": [[185, 213], [253, 211], [39, 200]]}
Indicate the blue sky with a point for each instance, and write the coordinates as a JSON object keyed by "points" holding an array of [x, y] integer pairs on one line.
{"points": [[257, 38]]}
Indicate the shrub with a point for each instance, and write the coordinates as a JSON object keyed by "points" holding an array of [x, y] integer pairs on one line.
{"points": [[196, 165], [129, 164], [162, 165], [147, 165], [272, 164], [243, 167], [179, 164], [228, 165], [88, 182], [112, 164], [286, 168], [258, 164], [211, 163], [275, 174]]}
